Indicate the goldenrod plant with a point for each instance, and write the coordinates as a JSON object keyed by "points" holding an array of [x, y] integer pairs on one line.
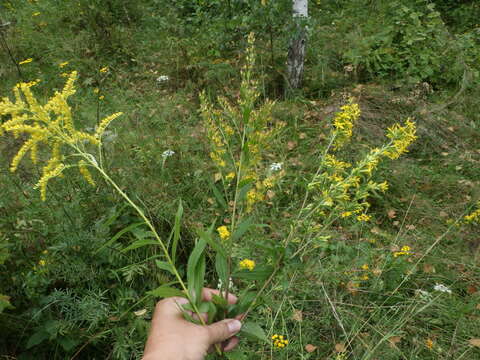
{"points": [[240, 135], [53, 140]]}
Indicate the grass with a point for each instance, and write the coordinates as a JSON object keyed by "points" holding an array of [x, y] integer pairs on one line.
{"points": [[61, 313]]}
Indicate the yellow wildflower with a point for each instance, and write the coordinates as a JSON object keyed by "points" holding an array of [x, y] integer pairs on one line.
{"points": [[343, 123], [363, 217], [101, 97], [82, 167], [474, 216], [365, 267], [104, 69], [63, 64], [401, 137], [429, 343], [223, 232], [405, 250], [26, 61], [36, 13], [42, 262], [230, 176], [96, 90], [279, 341], [346, 214], [247, 264]]}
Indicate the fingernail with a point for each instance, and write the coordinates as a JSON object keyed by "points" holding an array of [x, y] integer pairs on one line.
{"points": [[234, 326]]}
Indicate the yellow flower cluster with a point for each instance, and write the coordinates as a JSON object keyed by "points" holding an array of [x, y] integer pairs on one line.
{"points": [[343, 124], [239, 134], [474, 216], [342, 189], [401, 137], [223, 232], [405, 250], [279, 341], [49, 126], [247, 264]]}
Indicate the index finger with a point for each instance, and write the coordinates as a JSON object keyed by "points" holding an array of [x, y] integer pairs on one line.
{"points": [[207, 295]]}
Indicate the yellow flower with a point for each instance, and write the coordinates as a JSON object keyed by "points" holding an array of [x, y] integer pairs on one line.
{"points": [[223, 232], [101, 97], [346, 214], [279, 341], [104, 69], [26, 61], [405, 250], [63, 64], [96, 90], [42, 262], [363, 217], [36, 13], [429, 343], [230, 176], [343, 123], [365, 267], [247, 264], [82, 167]]}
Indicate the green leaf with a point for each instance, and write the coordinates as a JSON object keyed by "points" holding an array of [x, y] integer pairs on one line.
{"points": [[244, 303], [220, 200], [196, 270], [165, 266], [166, 291], [118, 235], [221, 266], [176, 230], [207, 236], [259, 273], [5, 303], [140, 243], [37, 338], [253, 331], [236, 355], [242, 228]]}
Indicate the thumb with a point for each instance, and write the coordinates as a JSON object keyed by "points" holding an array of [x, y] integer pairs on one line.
{"points": [[222, 330]]}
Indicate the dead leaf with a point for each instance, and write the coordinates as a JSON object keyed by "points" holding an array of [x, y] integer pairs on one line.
{"points": [[310, 348], [340, 347], [217, 177], [302, 136], [392, 214], [428, 268], [375, 230], [297, 315], [270, 194], [291, 145], [210, 201], [474, 342], [140, 312], [394, 340], [443, 214], [396, 223], [478, 306], [410, 227], [471, 289]]}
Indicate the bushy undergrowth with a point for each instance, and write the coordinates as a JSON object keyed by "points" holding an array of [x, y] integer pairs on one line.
{"points": [[402, 285]]}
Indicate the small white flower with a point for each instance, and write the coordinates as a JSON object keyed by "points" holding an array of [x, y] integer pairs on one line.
{"points": [[167, 153], [276, 166], [442, 288], [162, 78]]}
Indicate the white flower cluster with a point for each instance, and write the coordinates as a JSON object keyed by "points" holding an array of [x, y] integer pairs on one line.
{"points": [[442, 288], [162, 78], [276, 166], [167, 153]]}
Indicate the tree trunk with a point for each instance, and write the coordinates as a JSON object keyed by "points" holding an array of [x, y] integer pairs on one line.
{"points": [[296, 50]]}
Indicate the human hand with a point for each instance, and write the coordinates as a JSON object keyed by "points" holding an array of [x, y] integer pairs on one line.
{"points": [[174, 338]]}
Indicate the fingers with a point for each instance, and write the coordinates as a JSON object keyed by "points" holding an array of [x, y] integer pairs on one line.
{"points": [[230, 344], [208, 293], [222, 330]]}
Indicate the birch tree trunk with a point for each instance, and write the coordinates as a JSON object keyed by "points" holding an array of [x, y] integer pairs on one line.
{"points": [[296, 50]]}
